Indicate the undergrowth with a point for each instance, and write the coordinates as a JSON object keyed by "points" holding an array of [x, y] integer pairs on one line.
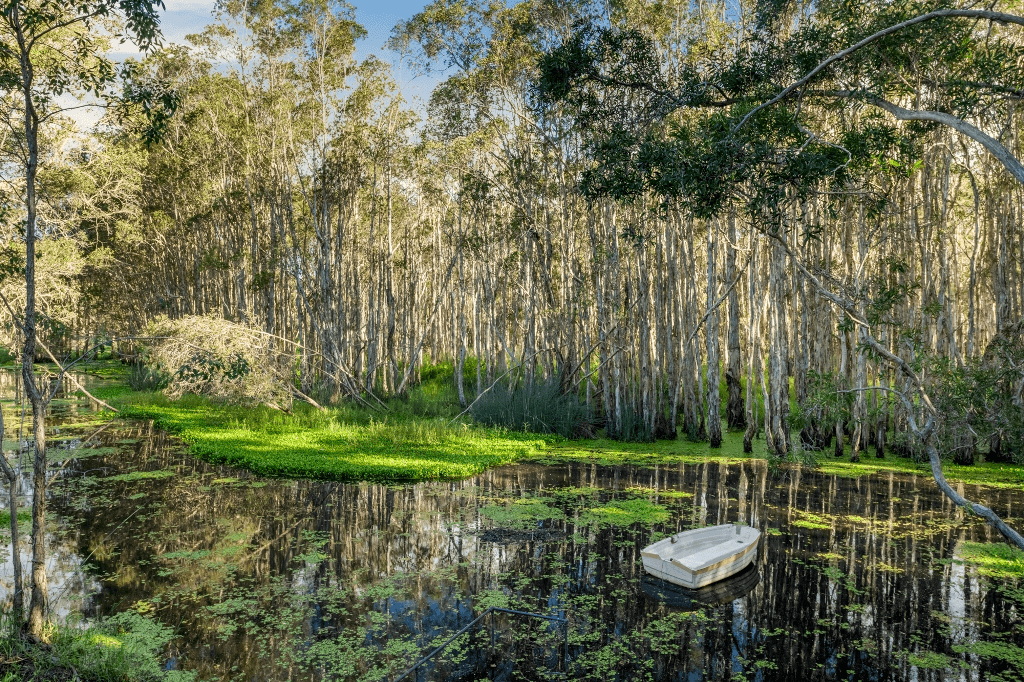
{"points": [[417, 436], [127, 647]]}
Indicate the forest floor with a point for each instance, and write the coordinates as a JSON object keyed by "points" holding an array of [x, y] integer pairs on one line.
{"points": [[420, 438]]}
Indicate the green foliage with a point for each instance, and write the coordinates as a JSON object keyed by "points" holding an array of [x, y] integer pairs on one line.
{"points": [[979, 401], [127, 647], [538, 408], [803, 456], [24, 516], [323, 444], [689, 130], [143, 378]]}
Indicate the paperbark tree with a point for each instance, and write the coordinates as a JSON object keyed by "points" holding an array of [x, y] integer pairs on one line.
{"points": [[49, 50]]}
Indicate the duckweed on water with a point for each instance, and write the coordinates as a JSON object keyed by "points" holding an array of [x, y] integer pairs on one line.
{"points": [[666, 494], [625, 513], [141, 475], [995, 560], [521, 512], [811, 521]]}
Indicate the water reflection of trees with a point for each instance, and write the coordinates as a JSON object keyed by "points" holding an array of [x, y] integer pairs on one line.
{"points": [[856, 578]]}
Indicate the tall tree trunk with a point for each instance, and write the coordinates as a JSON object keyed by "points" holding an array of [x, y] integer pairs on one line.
{"points": [[18, 598], [714, 398], [734, 412], [37, 604]]}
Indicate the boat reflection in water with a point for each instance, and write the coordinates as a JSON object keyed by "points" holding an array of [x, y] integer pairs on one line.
{"points": [[723, 591]]}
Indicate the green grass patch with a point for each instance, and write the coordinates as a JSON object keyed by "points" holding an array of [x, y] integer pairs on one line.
{"points": [[682, 451], [334, 444], [663, 452], [412, 440]]}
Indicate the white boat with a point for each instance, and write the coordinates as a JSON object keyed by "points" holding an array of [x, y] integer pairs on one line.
{"points": [[695, 558]]}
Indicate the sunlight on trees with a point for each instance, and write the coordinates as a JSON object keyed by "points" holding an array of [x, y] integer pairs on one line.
{"points": [[802, 220]]}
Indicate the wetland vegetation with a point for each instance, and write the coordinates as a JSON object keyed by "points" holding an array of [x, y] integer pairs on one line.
{"points": [[302, 375], [861, 572]]}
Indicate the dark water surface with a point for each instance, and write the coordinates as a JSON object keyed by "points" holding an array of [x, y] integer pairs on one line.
{"points": [[856, 579]]}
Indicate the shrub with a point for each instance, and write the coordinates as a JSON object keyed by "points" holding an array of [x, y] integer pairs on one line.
{"points": [[128, 647], [142, 378], [538, 408], [633, 427], [221, 359]]}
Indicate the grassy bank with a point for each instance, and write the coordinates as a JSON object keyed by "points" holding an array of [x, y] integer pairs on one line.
{"points": [[683, 451], [415, 439], [335, 444]]}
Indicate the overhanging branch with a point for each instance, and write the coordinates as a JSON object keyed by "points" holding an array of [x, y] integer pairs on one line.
{"points": [[1000, 17]]}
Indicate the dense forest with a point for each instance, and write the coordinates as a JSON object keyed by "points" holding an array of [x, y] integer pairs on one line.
{"points": [[796, 220], [609, 243]]}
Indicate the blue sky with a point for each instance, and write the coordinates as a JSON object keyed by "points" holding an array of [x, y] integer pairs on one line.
{"points": [[182, 17]]}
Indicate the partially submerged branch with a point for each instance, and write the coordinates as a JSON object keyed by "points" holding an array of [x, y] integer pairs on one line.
{"points": [[925, 434]]}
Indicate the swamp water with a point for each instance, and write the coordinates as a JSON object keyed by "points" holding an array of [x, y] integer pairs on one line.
{"points": [[856, 579]]}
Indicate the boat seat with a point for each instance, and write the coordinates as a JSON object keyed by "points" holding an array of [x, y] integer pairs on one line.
{"points": [[707, 556]]}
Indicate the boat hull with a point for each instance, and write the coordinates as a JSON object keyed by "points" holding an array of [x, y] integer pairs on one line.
{"points": [[732, 588]]}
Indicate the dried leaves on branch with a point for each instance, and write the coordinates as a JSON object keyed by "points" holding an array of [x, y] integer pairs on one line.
{"points": [[225, 360]]}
